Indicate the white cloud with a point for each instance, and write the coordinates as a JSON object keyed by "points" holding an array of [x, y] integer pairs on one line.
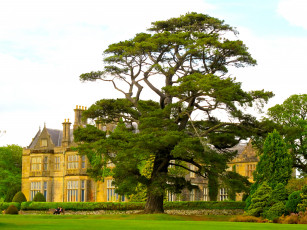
{"points": [[46, 44], [294, 11], [280, 68]]}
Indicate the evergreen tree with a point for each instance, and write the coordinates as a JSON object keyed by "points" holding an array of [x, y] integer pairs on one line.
{"points": [[260, 200], [184, 62], [276, 205], [275, 165], [279, 194]]}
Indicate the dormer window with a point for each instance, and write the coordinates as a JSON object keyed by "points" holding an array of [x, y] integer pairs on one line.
{"points": [[44, 142]]}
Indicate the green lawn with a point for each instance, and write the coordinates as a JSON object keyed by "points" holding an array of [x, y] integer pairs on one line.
{"points": [[135, 222]]}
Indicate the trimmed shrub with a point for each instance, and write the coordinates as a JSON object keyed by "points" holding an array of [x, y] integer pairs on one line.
{"points": [[12, 209], [260, 200], [5, 205], [275, 211], [19, 197], [293, 200], [39, 197]]}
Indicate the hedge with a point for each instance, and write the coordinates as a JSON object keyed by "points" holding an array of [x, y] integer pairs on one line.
{"points": [[5, 205], [83, 206], [197, 205], [123, 206]]}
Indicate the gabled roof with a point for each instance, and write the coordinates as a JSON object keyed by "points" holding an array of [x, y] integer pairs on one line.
{"points": [[56, 136], [35, 139], [239, 148], [246, 153]]}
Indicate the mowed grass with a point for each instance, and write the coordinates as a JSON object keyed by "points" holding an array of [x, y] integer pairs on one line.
{"points": [[137, 222]]}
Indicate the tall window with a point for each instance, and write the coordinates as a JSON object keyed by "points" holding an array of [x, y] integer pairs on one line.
{"points": [[36, 164], [82, 190], [72, 191], [223, 194], [45, 163], [45, 189], [192, 195], [111, 195], [206, 194], [35, 188], [73, 162], [250, 168], [83, 162], [57, 163], [170, 196]]}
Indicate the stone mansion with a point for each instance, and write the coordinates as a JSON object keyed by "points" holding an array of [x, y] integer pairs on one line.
{"points": [[50, 165]]}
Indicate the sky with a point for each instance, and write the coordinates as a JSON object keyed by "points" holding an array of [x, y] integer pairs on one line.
{"points": [[46, 44]]}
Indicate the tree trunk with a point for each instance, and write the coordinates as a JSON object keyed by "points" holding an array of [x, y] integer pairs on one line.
{"points": [[213, 186], [154, 204], [156, 188]]}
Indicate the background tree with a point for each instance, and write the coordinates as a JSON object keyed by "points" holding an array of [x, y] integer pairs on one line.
{"points": [[275, 164], [184, 62], [295, 184], [10, 171], [291, 121], [235, 183]]}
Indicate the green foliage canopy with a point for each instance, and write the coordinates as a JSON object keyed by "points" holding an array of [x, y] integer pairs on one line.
{"points": [[291, 121], [10, 171], [184, 62]]}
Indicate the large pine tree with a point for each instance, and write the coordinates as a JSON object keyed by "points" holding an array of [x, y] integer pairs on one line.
{"points": [[184, 63]]}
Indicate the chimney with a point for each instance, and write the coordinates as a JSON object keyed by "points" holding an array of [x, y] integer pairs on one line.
{"points": [[100, 125], [78, 115], [66, 133]]}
